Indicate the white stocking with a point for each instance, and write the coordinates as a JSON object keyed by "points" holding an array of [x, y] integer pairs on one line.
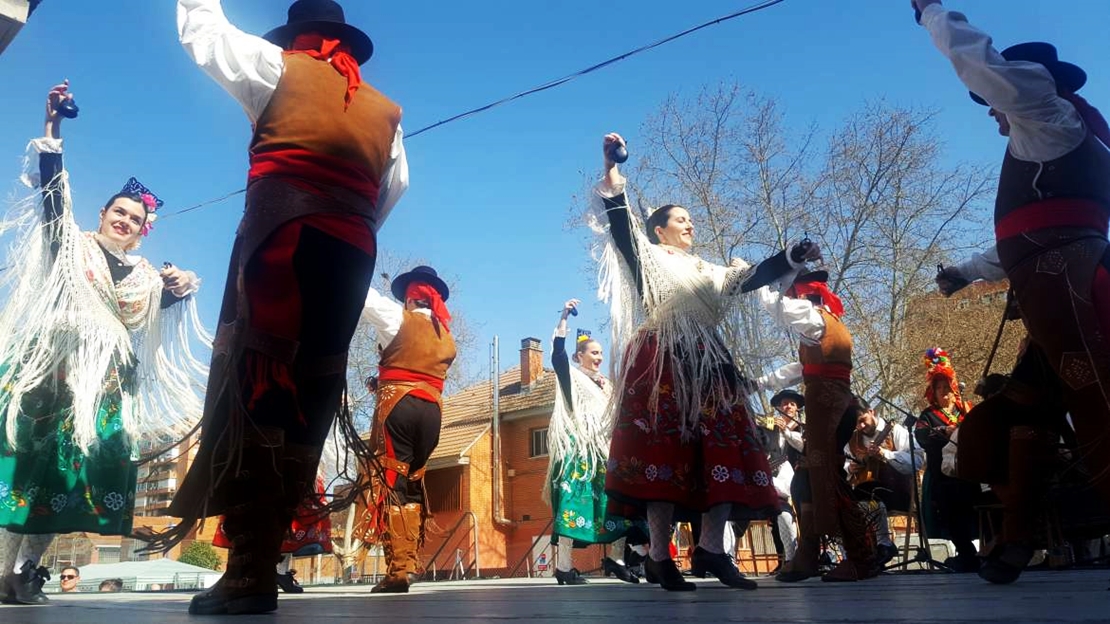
{"points": [[33, 548], [616, 551], [564, 557], [788, 533], [9, 551], [659, 517], [713, 525], [283, 565]]}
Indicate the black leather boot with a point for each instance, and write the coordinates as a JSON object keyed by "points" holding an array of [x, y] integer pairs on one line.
{"points": [[26, 587], [704, 563], [667, 575]]}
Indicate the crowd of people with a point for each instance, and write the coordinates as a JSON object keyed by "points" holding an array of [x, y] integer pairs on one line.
{"points": [[96, 352]]}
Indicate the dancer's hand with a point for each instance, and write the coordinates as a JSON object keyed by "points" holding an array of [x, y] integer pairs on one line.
{"points": [[613, 178], [53, 118], [569, 306], [805, 251], [950, 280], [175, 280], [919, 7]]}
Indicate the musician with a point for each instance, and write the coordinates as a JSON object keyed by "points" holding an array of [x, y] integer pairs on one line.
{"points": [[790, 422], [880, 468]]}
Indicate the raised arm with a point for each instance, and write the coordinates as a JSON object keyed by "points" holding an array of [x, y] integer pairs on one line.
{"points": [[799, 316], [1043, 126], [246, 66], [384, 314], [611, 192], [559, 360], [49, 150]]}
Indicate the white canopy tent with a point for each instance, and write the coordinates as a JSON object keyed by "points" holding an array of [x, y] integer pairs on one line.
{"points": [[159, 574]]}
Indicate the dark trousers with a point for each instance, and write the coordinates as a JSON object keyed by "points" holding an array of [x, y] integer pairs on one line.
{"points": [[411, 435]]}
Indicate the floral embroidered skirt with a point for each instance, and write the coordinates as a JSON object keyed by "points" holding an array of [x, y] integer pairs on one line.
{"points": [[580, 507], [720, 461], [47, 485]]}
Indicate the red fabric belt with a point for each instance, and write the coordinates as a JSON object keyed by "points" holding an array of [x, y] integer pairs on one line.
{"points": [[828, 371], [401, 374], [309, 167], [1050, 213]]}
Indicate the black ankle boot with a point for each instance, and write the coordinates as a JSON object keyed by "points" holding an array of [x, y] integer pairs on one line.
{"points": [[26, 587], [667, 575], [288, 584], [608, 566], [1005, 563], [704, 562], [570, 577]]}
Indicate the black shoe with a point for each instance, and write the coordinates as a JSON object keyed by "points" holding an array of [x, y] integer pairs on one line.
{"points": [[570, 577], [288, 584], [1005, 563], [26, 587], [608, 566], [719, 565], [666, 573], [884, 554]]}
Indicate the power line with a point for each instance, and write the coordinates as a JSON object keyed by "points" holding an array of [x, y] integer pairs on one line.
{"points": [[765, 4]]}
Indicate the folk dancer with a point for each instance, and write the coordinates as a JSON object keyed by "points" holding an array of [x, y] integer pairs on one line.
{"points": [[1051, 216], [807, 306], [682, 437], [95, 362], [578, 443], [417, 349], [880, 468], [327, 167], [948, 502]]}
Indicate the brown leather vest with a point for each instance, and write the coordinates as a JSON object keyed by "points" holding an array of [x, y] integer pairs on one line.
{"points": [[306, 112], [1083, 173], [835, 346], [420, 347]]}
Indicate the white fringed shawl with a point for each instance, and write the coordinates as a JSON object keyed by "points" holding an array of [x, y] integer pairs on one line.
{"points": [[684, 301], [66, 322], [580, 432]]}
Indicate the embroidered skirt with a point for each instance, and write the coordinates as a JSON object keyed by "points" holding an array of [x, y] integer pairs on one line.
{"points": [[48, 485], [718, 461]]}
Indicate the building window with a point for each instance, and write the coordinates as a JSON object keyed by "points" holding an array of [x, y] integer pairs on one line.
{"points": [[108, 554], [538, 447]]}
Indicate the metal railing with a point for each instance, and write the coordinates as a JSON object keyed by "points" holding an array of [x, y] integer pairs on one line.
{"points": [[458, 567], [515, 570]]}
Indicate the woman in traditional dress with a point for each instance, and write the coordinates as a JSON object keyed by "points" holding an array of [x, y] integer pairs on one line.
{"points": [[578, 444], [948, 503], [95, 356], [683, 443]]}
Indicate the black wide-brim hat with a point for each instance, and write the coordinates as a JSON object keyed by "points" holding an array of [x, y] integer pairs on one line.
{"points": [[788, 394], [808, 277], [325, 17], [425, 274], [1069, 78]]}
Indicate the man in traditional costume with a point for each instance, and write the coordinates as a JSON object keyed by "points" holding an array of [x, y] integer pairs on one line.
{"points": [[825, 503], [1051, 216], [785, 449], [327, 166], [881, 469], [416, 351], [95, 361]]}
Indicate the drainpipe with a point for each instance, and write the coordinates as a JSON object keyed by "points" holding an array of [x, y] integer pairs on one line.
{"points": [[495, 384]]}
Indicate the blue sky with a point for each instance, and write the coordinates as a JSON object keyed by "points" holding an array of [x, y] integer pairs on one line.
{"points": [[490, 195]]}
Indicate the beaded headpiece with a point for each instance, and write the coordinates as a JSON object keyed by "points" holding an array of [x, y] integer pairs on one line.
{"points": [[583, 336], [150, 201]]}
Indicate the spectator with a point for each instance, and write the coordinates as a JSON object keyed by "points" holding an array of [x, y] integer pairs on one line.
{"points": [[69, 578], [111, 585]]}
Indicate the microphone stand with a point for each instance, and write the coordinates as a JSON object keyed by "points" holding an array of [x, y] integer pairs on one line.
{"points": [[923, 554]]}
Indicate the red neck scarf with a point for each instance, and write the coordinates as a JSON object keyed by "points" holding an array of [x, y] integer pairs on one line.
{"points": [[335, 53], [420, 290], [1093, 119], [821, 289]]}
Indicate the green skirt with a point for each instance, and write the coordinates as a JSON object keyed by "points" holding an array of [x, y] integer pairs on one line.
{"points": [[47, 485], [579, 507]]}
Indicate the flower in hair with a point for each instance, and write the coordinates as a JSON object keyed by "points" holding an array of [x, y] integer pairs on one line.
{"points": [[150, 218], [150, 202]]}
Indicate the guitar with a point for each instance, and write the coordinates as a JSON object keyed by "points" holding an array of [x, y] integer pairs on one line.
{"points": [[874, 468]]}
